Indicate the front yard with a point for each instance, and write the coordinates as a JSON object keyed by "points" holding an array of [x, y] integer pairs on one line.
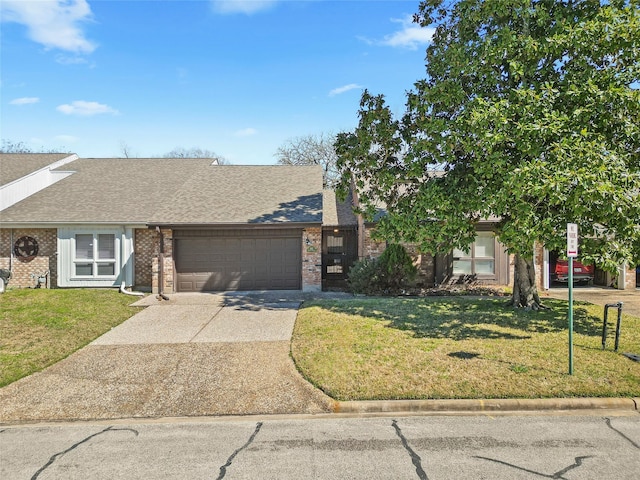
{"points": [[41, 327], [373, 348], [460, 347]]}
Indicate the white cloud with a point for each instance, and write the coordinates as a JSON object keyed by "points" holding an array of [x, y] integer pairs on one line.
{"points": [[247, 7], [24, 101], [246, 132], [410, 36], [343, 89], [85, 109], [52, 23]]}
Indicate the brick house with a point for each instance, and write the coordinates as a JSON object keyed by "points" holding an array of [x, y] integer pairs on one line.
{"points": [[485, 262], [179, 225], [171, 225]]}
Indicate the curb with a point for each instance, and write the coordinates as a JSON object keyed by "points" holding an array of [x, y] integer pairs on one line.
{"points": [[488, 405]]}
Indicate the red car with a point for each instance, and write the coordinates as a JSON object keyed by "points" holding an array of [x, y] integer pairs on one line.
{"points": [[581, 273]]}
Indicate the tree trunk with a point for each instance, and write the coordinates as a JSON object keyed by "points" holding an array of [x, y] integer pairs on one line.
{"points": [[525, 291]]}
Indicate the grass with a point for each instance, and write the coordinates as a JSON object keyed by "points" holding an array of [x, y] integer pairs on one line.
{"points": [[460, 347], [41, 327]]}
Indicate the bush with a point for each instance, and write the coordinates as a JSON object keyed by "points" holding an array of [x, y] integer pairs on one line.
{"points": [[385, 275], [364, 277], [396, 268]]}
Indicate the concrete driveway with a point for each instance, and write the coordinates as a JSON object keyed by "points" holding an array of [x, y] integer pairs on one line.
{"points": [[196, 354], [600, 296]]}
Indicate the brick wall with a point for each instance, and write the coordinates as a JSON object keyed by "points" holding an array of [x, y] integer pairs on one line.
{"points": [[372, 248], [425, 264], [538, 264], [144, 248], [24, 273], [312, 259], [167, 264], [630, 279]]}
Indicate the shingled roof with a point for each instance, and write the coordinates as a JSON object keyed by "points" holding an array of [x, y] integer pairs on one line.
{"points": [[233, 194], [17, 165], [161, 191], [337, 213]]}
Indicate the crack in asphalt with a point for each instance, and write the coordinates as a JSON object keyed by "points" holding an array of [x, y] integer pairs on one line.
{"points": [[415, 458], [608, 421], [223, 468], [558, 474], [76, 445]]}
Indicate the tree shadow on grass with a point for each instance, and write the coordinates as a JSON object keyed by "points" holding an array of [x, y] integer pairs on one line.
{"points": [[466, 318]]}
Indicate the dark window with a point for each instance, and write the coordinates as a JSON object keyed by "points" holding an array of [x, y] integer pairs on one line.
{"points": [[479, 259]]}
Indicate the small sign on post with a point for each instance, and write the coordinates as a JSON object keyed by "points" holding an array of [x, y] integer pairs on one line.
{"points": [[572, 252], [572, 240]]}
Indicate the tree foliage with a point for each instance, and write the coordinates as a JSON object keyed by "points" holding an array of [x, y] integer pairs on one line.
{"points": [[529, 114], [10, 146], [312, 150], [195, 152]]}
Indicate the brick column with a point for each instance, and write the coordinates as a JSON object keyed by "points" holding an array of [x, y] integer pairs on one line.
{"points": [[167, 264], [312, 259], [630, 278]]}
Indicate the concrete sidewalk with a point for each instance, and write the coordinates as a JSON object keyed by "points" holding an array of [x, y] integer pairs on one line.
{"points": [[190, 356]]}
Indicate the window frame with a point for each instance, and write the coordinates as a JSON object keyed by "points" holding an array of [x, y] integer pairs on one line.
{"points": [[473, 258], [95, 261]]}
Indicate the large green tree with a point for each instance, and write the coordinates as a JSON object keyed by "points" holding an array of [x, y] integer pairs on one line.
{"points": [[529, 114]]}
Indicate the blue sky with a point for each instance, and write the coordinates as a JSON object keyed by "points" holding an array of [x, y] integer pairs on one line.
{"points": [[239, 78]]}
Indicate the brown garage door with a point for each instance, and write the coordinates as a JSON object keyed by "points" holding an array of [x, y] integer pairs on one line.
{"points": [[238, 260]]}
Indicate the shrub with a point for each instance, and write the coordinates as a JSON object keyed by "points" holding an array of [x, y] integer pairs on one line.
{"points": [[396, 268], [364, 277], [388, 274]]}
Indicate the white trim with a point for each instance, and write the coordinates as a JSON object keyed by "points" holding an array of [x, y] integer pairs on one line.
{"points": [[546, 281]]}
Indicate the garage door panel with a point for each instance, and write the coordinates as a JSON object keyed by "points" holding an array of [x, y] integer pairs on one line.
{"points": [[238, 263]]}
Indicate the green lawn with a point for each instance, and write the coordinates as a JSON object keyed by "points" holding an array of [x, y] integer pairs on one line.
{"points": [[41, 327], [460, 347]]}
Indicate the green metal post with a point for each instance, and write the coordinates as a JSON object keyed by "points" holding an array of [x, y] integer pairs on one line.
{"points": [[570, 315]]}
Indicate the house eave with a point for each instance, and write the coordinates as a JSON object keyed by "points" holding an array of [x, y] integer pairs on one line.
{"points": [[244, 225], [39, 224]]}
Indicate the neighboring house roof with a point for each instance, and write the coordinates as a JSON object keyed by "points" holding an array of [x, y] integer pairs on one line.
{"points": [[337, 213], [17, 165], [181, 191], [23, 174]]}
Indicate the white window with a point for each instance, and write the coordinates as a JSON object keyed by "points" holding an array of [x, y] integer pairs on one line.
{"points": [[479, 259], [95, 255]]}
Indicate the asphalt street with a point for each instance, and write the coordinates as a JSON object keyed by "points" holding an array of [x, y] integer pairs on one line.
{"points": [[329, 447]]}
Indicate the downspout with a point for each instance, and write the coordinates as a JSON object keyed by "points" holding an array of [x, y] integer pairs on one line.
{"points": [[122, 290], [161, 295], [11, 250]]}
